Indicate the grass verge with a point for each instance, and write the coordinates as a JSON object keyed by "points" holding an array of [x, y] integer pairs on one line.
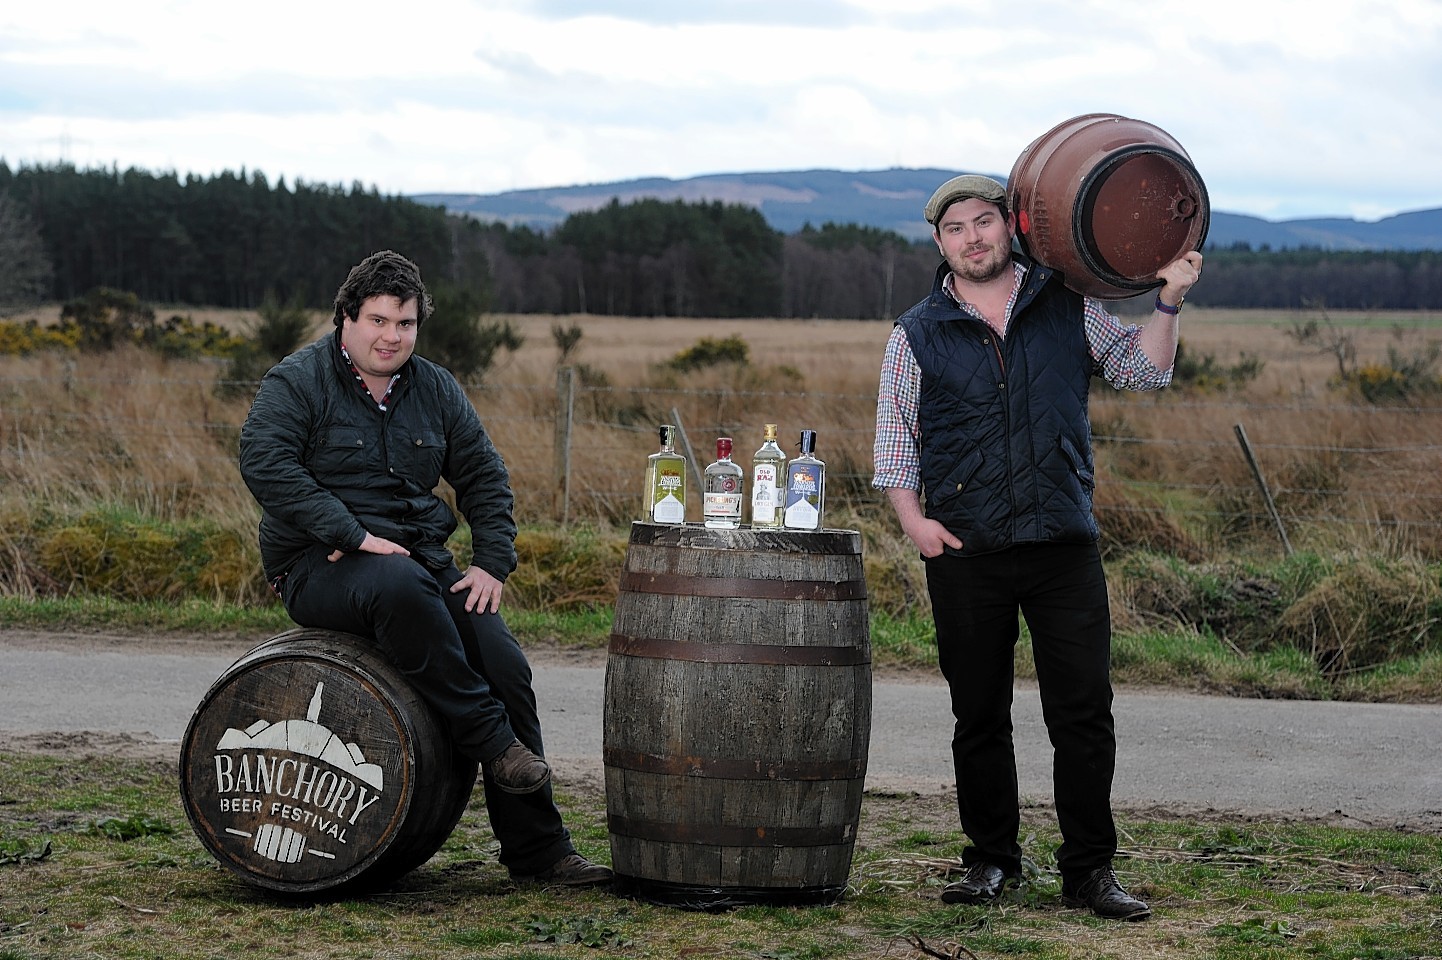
{"points": [[97, 859], [1183, 660]]}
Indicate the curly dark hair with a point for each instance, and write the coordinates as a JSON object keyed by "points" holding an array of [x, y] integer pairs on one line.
{"points": [[384, 273]]}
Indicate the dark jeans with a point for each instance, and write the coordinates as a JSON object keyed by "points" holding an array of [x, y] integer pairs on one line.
{"points": [[1061, 591], [467, 666]]}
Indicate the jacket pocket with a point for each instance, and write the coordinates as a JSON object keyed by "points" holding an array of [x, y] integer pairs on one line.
{"points": [[1084, 474], [340, 450], [957, 480], [424, 455]]}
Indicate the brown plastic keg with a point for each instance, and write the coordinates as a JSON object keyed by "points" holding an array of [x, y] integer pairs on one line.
{"points": [[1107, 201], [737, 715]]}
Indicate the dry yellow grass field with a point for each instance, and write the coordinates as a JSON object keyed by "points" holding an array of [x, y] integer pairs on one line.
{"points": [[140, 429]]}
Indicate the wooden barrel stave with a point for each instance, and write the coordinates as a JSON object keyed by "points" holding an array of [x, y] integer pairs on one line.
{"points": [[737, 725]]}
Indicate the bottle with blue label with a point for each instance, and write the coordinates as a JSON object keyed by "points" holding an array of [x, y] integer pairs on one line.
{"points": [[805, 487]]}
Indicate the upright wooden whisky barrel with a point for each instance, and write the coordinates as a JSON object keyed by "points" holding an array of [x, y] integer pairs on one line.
{"points": [[312, 766], [737, 715], [1107, 201]]}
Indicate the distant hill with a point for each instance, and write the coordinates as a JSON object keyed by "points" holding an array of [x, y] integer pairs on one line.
{"points": [[892, 200]]}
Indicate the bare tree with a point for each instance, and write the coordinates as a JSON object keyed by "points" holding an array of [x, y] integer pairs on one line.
{"points": [[25, 269]]}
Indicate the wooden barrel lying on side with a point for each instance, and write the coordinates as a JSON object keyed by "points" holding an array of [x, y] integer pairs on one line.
{"points": [[737, 715], [312, 766]]}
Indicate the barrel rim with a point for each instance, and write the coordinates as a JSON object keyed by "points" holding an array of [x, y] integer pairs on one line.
{"points": [[713, 899], [1082, 268], [1085, 195]]}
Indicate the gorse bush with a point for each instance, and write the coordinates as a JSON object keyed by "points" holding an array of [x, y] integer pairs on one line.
{"points": [[1205, 372], [1402, 379], [105, 320], [709, 352], [27, 337]]}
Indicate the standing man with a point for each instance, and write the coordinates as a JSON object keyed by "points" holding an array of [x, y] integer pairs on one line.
{"points": [[344, 446], [983, 446]]}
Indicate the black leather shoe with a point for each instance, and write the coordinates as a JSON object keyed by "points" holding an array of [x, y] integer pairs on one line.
{"points": [[982, 883], [1102, 893]]}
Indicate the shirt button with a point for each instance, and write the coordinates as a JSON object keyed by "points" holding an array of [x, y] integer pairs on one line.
{"points": [[419, 441], [1001, 386]]}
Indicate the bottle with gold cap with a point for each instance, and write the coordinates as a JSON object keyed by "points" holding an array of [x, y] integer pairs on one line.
{"points": [[768, 482]]}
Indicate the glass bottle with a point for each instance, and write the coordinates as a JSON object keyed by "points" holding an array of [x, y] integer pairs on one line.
{"points": [[665, 494], [805, 487], [721, 506], [768, 465]]}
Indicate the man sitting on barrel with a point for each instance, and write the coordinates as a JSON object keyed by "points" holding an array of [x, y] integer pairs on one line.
{"points": [[343, 448]]}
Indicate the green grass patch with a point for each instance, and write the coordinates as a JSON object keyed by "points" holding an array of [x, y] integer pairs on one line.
{"points": [[1219, 888], [91, 612]]}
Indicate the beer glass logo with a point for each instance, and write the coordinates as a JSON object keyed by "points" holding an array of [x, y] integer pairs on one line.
{"points": [[301, 785]]}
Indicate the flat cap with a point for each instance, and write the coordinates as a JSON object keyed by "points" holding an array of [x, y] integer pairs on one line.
{"points": [[965, 187]]}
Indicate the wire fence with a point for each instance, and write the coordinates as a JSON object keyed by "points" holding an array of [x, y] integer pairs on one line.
{"points": [[576, 451]]}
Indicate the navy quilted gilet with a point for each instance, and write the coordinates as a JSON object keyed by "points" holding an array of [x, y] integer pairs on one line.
{"points": [[1006, 453]]}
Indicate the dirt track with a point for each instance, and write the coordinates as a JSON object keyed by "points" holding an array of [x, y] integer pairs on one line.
{"points": [[1179, 754]]}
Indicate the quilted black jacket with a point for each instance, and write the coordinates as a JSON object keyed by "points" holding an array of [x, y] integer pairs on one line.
{"points": [[327, 465]]}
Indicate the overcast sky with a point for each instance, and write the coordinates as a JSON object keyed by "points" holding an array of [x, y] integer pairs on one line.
{"points": [[1287, 109]]}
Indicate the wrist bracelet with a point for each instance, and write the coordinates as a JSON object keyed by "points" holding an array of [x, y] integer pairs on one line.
{"points": [[1169, 310]]}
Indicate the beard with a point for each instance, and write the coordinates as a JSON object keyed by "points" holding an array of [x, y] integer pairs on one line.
{"points": [[997, 260]]}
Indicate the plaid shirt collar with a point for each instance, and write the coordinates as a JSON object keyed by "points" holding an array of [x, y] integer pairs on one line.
{"points": [[390, 387]]}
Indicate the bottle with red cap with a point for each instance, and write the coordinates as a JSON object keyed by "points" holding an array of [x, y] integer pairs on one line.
{"points": [[724, 480]]}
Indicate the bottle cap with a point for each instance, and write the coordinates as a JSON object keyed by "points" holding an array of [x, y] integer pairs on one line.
{"points": [[723, 447], [808, 441], [771, 431], [667, 432]]}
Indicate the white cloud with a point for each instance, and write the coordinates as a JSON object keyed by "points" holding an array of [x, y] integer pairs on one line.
{"points": [[1286, 109]]}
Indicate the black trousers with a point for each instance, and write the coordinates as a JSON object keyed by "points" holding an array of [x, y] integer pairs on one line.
{"points": [[1061, 591], [467, 666]]}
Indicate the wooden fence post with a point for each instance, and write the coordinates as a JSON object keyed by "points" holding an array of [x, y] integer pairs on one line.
{"points": [[1262, 485], [565, 420], [690, 454]]}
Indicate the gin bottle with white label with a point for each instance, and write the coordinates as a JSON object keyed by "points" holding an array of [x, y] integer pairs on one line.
{"points": [[725, 480], [768, 466]]}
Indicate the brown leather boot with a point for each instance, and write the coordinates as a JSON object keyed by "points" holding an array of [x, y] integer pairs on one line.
{"points": [[518, 770], [572, 870]]}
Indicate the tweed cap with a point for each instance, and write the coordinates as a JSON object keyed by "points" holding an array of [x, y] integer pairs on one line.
{"points": [[967, 186]]}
